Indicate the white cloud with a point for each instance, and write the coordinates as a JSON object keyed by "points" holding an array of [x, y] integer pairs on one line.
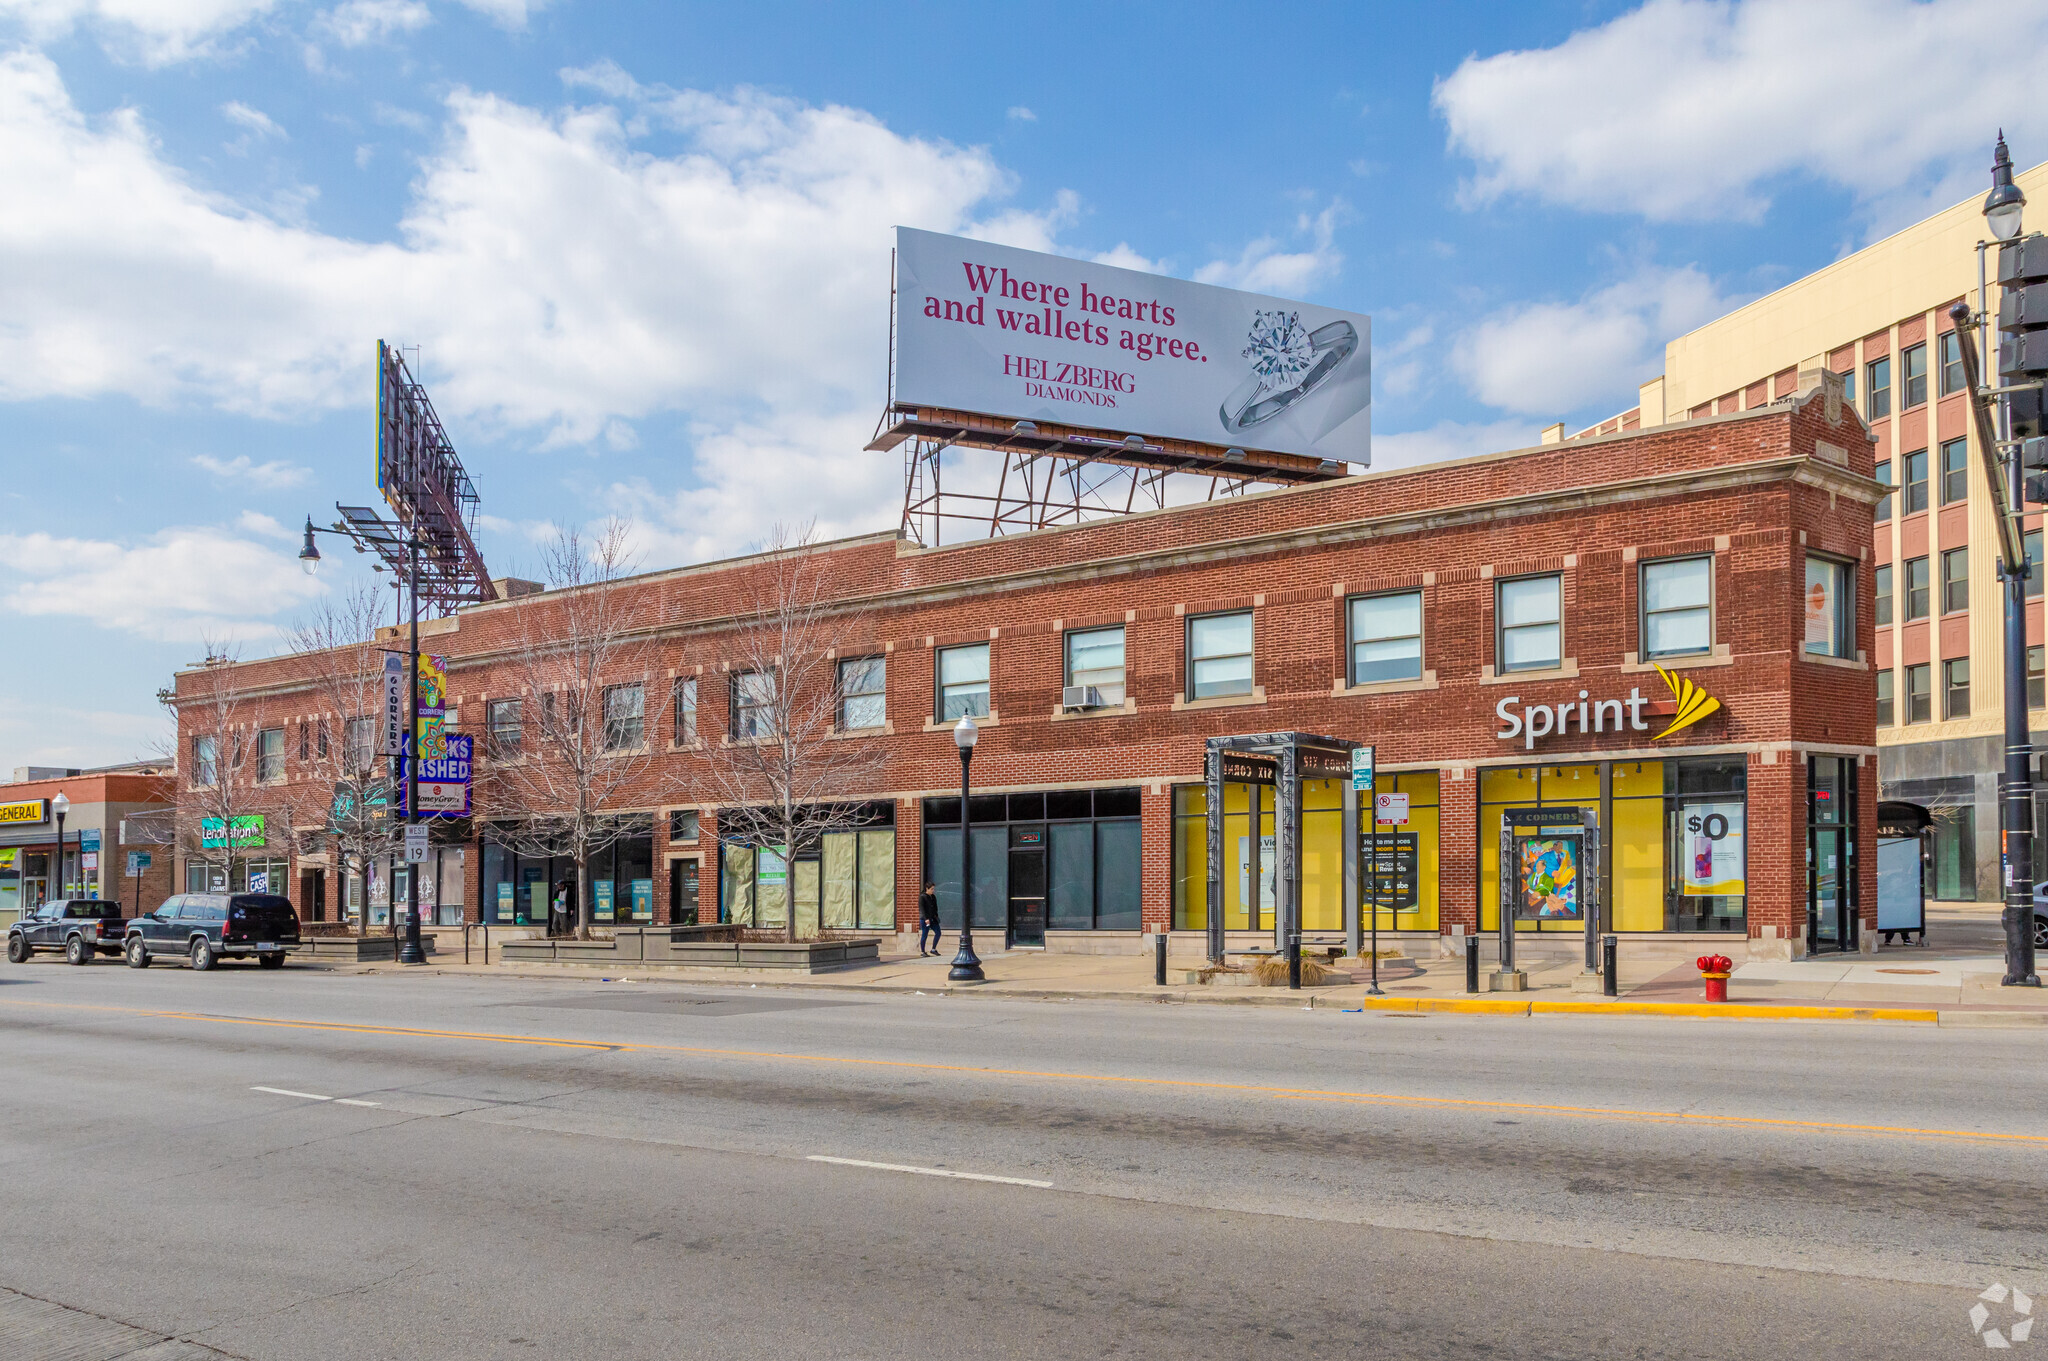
{"points": [[1123, 257], [255, 120], [1020, 114], [1699, 108], [153, 32], [177, 585], [1551, 358], [37, 732], [276, 475], [1263, 267], [256, 522], [360, 22], [511, 14], [1448, 440]]}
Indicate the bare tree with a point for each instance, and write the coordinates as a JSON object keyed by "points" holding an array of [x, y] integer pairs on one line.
{"points": [[791, 769], [219, 787], [585, 666], [344, 789]]}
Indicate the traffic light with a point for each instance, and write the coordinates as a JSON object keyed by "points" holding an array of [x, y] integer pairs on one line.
{"points": [[2023, 330]]}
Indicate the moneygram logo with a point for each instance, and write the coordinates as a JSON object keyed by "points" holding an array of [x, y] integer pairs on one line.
{"points": [[2015, 1314]]}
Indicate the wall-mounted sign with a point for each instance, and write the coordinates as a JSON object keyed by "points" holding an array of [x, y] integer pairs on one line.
{"points": [[25, 810], [1246, 767], [1688, 705], [1019, 334], [236, 833]]}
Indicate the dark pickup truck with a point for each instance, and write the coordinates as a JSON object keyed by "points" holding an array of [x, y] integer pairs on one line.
{"points": [[80, 927], [204, 927]]}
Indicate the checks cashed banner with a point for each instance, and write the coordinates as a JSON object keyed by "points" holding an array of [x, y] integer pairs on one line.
{"points": [[1014, 333]]}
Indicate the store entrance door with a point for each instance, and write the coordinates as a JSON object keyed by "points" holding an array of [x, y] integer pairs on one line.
{"points": [[1027, 887], [1830, 924], [682, 892]]}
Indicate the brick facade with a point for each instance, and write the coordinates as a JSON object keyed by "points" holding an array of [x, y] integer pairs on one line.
{"points": [[1757, 490]]}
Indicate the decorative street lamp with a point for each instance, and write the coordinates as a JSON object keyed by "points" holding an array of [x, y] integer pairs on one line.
{"points": [[59, 806], [2003, 204], [966, 964]]}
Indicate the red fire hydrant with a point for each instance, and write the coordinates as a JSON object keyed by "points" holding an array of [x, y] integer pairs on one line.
{"points": [[1714, 971]]}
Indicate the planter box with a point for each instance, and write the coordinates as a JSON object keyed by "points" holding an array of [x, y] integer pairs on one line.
{"points": [[354, 949], [658, 947]]}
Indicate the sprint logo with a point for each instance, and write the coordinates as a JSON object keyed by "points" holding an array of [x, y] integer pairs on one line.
{"points": [[1693, 703]]}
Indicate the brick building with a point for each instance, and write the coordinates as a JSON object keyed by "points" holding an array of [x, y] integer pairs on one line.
{"points": [[1500, 628], [93, 859]]}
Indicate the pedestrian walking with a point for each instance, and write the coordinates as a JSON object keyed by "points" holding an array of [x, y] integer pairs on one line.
{"points": [[928, 918]]}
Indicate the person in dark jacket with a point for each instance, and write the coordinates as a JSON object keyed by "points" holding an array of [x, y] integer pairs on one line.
{"points": [[928, 918]]}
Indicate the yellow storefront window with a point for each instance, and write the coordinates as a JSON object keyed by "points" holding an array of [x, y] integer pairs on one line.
{"points": [[1636, 846], [1422, 788], [1191, 837]]}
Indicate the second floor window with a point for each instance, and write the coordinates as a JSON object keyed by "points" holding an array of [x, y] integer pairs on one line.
{"points": [[686, 710], [1878, 401], [1915, 497], [1912, 376], [504, 733], [1918, 599], [1386, 637], [1951, 363], [963, 682], [269, 755], [1919, 697], [359, 745], [753, 704], [1678, 607], [1096, 657], [1531, 631], [1955, 471], [1883, 473], [205, 760], [1220, 655], [625, 717], [863, 693], [1884, 595], [682, 824], [1830, 617], [1955, 580]]}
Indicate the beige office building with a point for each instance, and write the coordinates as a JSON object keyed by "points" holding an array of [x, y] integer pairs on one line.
{"points": [[1880, 319]]}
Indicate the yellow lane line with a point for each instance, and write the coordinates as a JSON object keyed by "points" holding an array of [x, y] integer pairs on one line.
{"points": [[1054, 1075]]}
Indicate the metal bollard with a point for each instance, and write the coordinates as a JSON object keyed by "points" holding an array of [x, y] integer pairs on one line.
{"points": [[1471, 964], [1294, 960], [1610, 983], [1159, 959]]}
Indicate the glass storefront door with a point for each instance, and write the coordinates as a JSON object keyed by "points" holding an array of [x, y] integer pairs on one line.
{"points": [[1830, 854], [1027, 885]]}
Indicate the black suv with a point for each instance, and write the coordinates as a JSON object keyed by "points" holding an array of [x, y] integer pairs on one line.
{"points": [[204, 927], [80, 927]]}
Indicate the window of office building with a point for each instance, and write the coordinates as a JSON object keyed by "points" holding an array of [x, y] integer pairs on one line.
{"points": [[504, 727], [1951, 363], [1386, 637], [1955, 471], [842, 881], [1919, 693], [2037, 661], [2031, 542], [1883, 603], [1530, 635], [753, 704], [863, 693], [963, 682], [1955, 688], [1912, 376], [269, 755], [1678, 607], [1885, 717], [205, 760], [625, 717], [1219, 653], [1407, 866], [686, 710], [1918, 593], [1096, 657], [1955, 580], [683, 824], [1830, 608], [1849, 385], [1884, 503], [1915, 496], [359, 744], [1878, 403]]}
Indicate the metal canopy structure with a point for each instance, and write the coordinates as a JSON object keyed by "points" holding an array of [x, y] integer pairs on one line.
{"points": [[426, 487], [1284, 760]]}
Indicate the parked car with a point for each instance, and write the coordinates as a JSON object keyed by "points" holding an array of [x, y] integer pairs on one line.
{"points": [[204, 927], [2041, 916], [80, 927]]}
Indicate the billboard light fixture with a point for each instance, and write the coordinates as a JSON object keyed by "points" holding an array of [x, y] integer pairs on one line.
{"points": [[1026, 427], [1233, 455]]}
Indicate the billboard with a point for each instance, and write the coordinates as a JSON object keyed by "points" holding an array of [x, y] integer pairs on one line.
{"points": [[1020, 334]]}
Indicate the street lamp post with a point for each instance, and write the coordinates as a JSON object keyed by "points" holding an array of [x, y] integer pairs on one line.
{"points": [[60, 806], [966, 964], [409, 951]]}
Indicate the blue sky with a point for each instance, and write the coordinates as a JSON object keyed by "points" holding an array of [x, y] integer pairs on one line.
{"points": [[643, 248]]}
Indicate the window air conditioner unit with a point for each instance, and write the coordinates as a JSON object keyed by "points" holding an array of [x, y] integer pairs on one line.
{"points": [[1080, 697]]}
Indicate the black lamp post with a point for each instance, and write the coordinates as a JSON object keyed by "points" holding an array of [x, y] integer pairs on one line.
{"points": [[966, 964], [59, 806], [409, 951]]}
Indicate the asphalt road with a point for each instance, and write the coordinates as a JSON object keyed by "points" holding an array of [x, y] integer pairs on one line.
{"points": [[603, 1170]]}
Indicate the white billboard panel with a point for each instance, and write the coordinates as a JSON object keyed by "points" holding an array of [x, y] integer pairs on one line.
{"points": [[1019, 334]]}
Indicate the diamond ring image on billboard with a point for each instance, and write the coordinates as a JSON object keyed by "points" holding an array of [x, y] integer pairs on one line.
{"points": [[1022, 335]]}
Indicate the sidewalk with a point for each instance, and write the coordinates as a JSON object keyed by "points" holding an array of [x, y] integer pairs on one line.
{"points": [[1902, 984]]}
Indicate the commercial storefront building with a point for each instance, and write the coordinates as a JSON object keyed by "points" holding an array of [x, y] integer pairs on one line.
{"points": [[1879, 318], [1623, 624], [94, 858]]}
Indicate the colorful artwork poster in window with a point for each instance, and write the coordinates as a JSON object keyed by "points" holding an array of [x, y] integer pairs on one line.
{"points": [[1548, 878]]}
